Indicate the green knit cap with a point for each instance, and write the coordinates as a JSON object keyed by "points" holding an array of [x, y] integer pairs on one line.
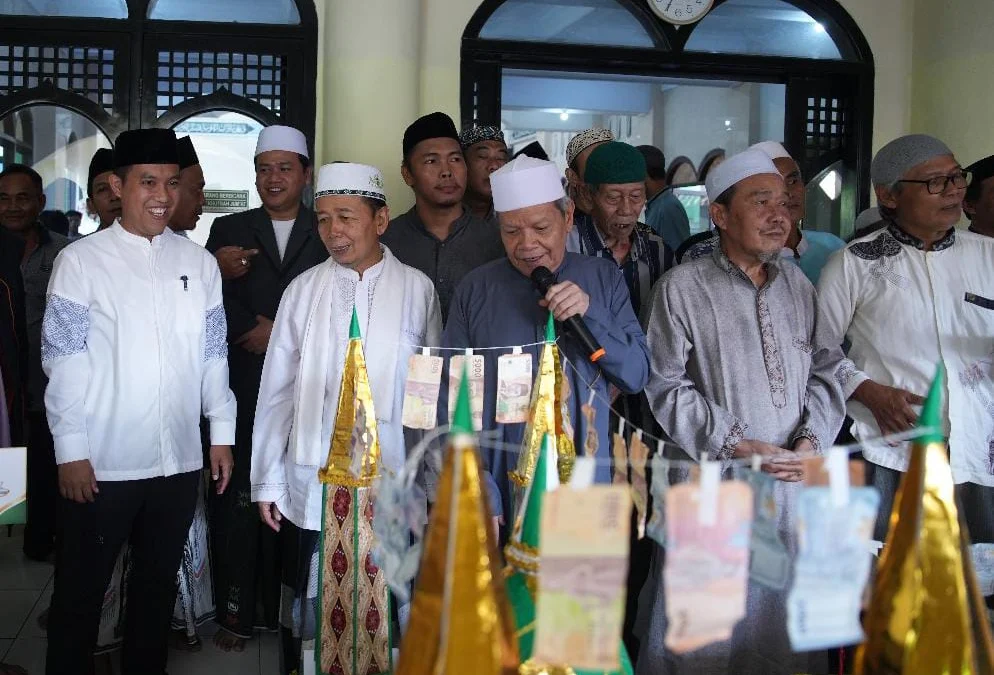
{"points": [[615, 163]]}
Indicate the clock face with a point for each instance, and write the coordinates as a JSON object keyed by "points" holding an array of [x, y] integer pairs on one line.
{"points": [[681, 11]]}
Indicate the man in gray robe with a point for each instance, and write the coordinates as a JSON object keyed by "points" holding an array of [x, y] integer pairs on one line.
{"points": [[740, 368]]}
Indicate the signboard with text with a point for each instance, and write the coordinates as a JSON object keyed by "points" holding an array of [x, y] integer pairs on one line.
{"points": [[226, 201]]}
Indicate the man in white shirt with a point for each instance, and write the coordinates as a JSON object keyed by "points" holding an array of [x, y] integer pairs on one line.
{"points": [[397, 308], [133, 342], [260, 251], [913, 295]]}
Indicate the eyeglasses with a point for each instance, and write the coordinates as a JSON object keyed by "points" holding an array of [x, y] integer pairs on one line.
{"points": [[938, 185]]}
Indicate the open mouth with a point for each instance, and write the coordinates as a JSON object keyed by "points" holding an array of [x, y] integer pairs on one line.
{"points": [[340, 250], [158, 212]]}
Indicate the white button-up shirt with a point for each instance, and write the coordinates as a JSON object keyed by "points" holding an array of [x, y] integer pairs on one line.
{"points": [[134, 344], [904, 311]]}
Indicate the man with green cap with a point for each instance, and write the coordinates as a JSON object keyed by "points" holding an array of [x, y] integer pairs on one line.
{"points": [[615, 177]]}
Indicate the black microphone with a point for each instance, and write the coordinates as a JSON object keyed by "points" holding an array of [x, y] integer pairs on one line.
{"points": [[543, 279]]}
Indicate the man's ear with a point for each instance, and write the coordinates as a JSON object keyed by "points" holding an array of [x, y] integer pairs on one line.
{"points": [[406, 174], [719, 215], [382, 220], [116, 185], [885, 196]]}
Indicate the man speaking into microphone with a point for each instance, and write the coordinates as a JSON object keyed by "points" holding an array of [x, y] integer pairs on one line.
{"points": [[500, 305]]}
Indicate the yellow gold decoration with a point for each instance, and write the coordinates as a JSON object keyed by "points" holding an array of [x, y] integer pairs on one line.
{"points": [[353, 604], [460, 621], [354, 455], [547, 414], [926, 615]]}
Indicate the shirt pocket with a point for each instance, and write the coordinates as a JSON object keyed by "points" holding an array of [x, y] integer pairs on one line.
{"points": [[188, 298], [979, 301]]}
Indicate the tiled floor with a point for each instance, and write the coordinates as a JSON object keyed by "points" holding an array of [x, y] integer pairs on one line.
{"points": [[25, 589]]}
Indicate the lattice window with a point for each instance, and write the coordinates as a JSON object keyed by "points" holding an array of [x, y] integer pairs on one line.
{"points": [[827, 126], [187, 74], [88, 71]]}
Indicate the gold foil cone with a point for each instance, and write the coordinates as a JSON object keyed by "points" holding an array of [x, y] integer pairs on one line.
{"points": [[461, 621], [926, 616], [545, 416], [354, 455]]}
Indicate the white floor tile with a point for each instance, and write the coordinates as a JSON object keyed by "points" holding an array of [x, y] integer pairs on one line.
{"points": [[28, 653], [31, 628], [17, 606], [19, 573], [269, 654]]}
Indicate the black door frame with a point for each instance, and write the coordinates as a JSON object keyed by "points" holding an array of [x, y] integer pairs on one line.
{"points": [[483, 61], [134, 40]]}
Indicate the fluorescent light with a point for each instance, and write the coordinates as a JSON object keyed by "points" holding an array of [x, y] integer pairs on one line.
{"points": [[564, 116]]}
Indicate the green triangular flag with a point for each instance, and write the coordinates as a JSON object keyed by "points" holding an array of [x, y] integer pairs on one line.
{"points": [[550, 329], [531, 524], [462, 416], [354, 328], [931, 415]]}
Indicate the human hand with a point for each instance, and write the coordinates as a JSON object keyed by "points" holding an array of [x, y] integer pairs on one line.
{"points": [[891, 407], [222, 464], [780, 463], [270, 514], [257, 339], [78, 482], [235, 261], [566, 299]]}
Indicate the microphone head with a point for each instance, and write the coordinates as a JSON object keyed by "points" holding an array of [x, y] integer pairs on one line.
{"points": [[543, 278]]}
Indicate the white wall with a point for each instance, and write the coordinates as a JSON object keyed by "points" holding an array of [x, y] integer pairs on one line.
{"points": [[396, 59]]}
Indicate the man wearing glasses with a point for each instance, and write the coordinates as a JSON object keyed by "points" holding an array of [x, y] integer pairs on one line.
{"points": [[910, 296]]}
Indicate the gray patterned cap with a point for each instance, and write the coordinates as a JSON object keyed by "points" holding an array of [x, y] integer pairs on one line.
{"points": [[471, 137], [584, 140], [902, 154]]}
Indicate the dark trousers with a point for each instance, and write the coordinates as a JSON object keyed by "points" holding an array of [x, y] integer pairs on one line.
{"points": [[246, 556], [155, 515], [43, 489]]}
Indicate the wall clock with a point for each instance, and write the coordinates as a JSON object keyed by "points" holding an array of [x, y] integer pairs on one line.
{"points": [[680, 12]]}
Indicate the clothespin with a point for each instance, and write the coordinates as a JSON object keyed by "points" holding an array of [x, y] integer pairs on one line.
{"points": [[707, 506], [590, 398], [426, 351], [469, 352], [757, 463], [621, 426], [516, 350], [638, 434], [837, 466]]}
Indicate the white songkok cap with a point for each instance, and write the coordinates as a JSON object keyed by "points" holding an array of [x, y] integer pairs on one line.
{"points": [[343, 178], [773, 149], [525, 181], [737, 168], [279, 137]]}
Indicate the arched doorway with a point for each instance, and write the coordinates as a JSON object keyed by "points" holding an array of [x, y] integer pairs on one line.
{"points": [[797, 71], [223, 68]]}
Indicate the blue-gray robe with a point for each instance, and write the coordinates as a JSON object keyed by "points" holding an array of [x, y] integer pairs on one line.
{"points": [[497, 306]]}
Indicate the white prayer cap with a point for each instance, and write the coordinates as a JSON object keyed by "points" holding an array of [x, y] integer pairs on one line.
{"points": [[344, 178], [903, 154], [525, 181], [278, 137], [737, 168], [772, 148], [866, 218], [584, 140]]}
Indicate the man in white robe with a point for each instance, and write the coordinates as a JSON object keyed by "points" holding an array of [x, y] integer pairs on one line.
{"points": [[133, 343], [397, 308]]}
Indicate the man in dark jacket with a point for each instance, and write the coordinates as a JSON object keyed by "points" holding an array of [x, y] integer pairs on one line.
{"points": [[260, 252]]}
